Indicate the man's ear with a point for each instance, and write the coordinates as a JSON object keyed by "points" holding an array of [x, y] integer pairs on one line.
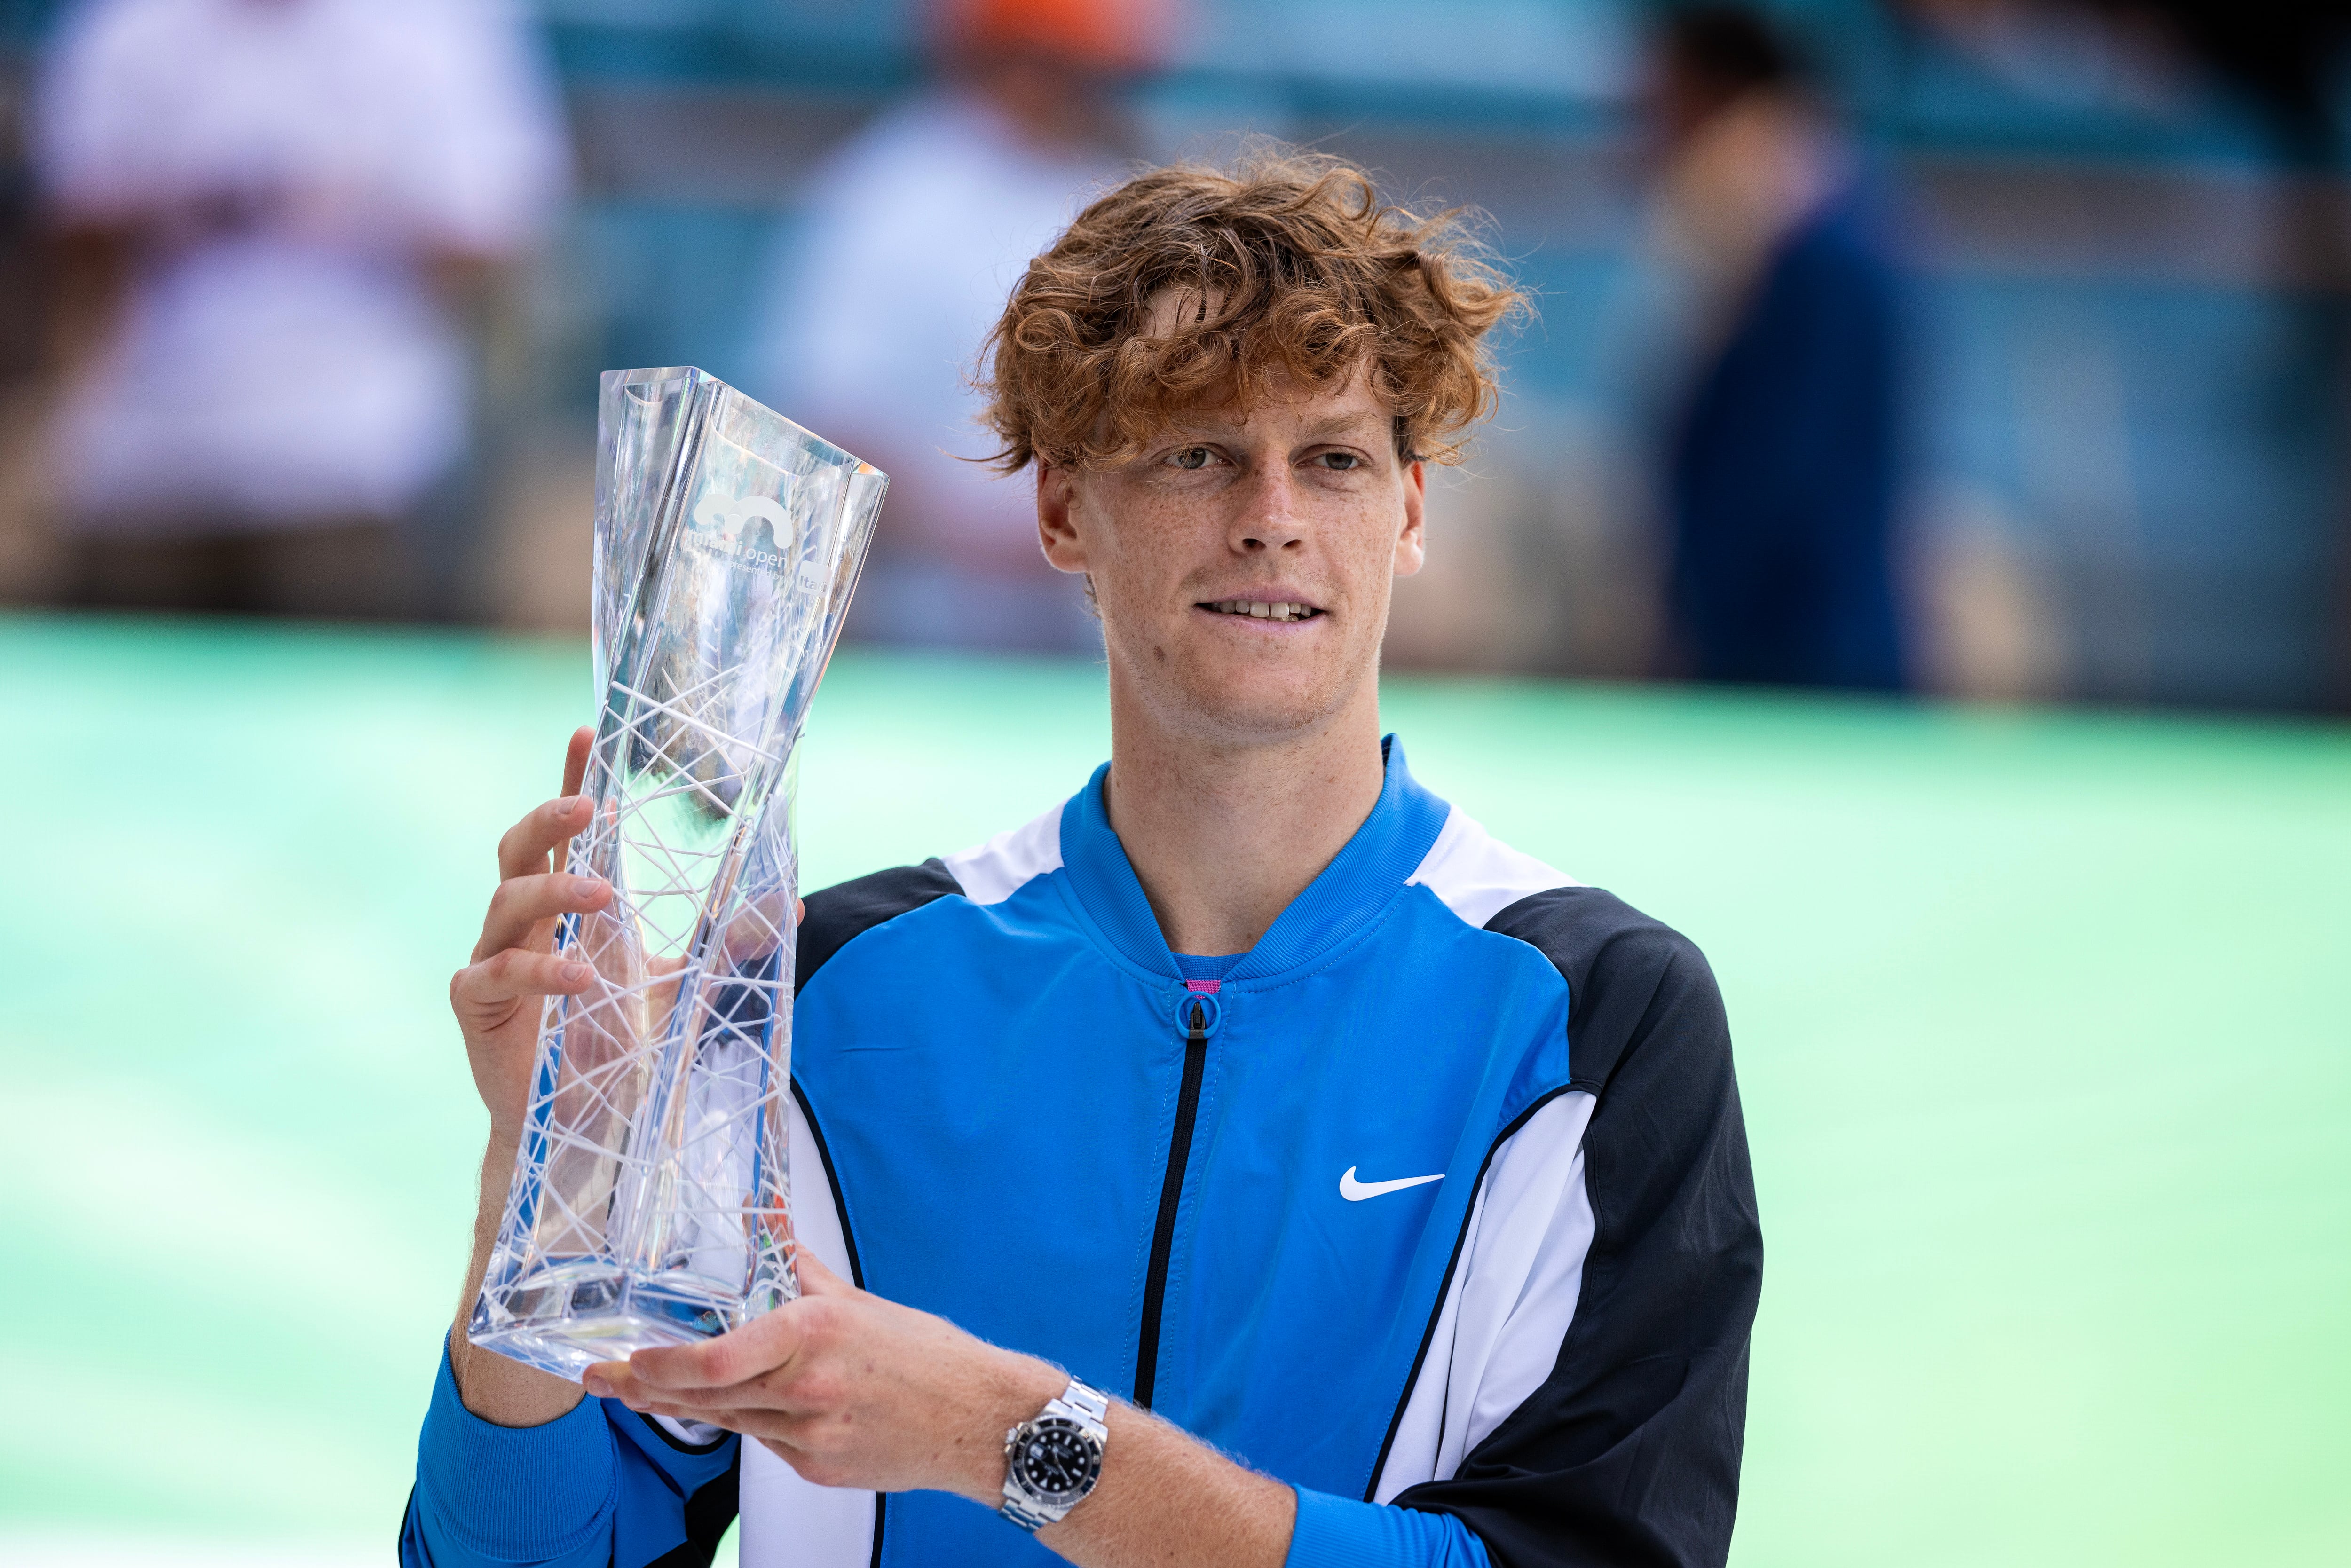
{"points": [[1057, 527], [1411, 547]]}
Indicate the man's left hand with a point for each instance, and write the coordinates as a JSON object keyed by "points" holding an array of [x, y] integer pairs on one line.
{"points": [[850, 1390]]}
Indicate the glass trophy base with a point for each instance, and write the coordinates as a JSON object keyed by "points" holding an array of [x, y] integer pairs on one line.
{"points": [[566, 1318]]}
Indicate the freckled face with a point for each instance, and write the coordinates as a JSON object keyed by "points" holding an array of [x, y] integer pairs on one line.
{"points": [[1243, 564]]}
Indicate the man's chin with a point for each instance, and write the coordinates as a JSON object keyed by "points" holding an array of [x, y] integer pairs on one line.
{"points": [[1243, 707], [1206, 686]]}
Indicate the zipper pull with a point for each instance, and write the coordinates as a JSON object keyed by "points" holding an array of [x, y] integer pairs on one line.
{"points": [[1197, 1015]]}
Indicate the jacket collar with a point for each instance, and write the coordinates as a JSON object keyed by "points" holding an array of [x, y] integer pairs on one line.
{"points": [[1349, 894]]}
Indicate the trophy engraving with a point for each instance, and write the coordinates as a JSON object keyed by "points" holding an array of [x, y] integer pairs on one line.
{"points": [[651, 1200]]}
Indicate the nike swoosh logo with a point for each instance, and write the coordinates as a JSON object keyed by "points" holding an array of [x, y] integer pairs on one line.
{"points": [[1355, 1191]]}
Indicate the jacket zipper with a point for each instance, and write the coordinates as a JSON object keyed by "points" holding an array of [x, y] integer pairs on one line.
{"points": [[1171, 1191]]}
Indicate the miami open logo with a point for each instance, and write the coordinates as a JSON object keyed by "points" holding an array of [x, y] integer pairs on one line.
{"points": [[754, 531], [748, 528]]}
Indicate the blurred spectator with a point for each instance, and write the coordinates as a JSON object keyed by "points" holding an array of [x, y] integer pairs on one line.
{"points": [[273, 211], [909, 238], [1784, 463]]}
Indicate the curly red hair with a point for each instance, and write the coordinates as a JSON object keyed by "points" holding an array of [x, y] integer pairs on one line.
{"points": [[1287, 271]]}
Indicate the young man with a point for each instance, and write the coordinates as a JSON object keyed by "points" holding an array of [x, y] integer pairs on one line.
{"points": [[1296, 1173]]}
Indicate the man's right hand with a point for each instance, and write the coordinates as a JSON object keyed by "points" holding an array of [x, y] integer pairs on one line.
{"points": [[497, 996], [497, 999]]}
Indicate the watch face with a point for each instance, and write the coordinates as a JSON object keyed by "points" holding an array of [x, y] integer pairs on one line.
{"points": [[1056, 1458]]}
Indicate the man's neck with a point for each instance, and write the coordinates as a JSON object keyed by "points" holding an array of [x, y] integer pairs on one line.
{"points": [[1224, 837]]}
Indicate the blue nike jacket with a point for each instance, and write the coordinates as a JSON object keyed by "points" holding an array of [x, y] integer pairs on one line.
{"points": [[1435, 1206]]}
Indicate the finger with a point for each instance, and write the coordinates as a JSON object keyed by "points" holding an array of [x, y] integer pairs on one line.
{"points": [[763, 1345], [815, 1279], [575, 759], [728, 1407], [796, 1439], [678, 1412], [496, 983], [610, 1380], [798, 1429], [736, 1408], [520, 903], [799, 1433], [525, 849]]}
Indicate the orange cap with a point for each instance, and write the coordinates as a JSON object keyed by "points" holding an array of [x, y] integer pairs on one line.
{"points": [[1109, 35]]}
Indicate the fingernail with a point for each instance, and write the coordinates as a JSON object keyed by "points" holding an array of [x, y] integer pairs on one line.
{"points": [[576, 973], [569, 804], [597, 1386], [587, 886]]}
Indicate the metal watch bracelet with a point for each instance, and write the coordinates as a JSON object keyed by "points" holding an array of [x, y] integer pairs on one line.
{"points": [[1087, 1410]]}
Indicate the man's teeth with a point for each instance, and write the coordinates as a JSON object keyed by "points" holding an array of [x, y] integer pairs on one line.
{"points": [[1262, 610]]}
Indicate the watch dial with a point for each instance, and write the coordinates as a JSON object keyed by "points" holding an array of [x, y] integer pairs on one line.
{"points": [[1056, 1458]]}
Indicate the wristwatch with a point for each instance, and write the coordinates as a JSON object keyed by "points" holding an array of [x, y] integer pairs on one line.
{"points": [[1052, 1461]]}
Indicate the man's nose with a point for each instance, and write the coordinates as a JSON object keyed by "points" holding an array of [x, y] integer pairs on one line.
{"points": [[1269, 518]]}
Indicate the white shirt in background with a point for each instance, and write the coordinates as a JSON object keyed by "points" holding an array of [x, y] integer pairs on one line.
{"points": [[910, 239], [301, 367]]}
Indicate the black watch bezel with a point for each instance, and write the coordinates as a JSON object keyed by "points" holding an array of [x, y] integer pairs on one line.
{"points": [[1088, 1447]]}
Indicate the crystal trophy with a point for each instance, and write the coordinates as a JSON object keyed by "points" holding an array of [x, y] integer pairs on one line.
{"points": [[651, 1200]]}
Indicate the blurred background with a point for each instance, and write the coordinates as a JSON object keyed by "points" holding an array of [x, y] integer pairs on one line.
{"points": [[2018, 328], [1914, 558]]}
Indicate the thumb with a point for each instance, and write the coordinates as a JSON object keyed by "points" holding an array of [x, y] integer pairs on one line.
{"points": [[816, 1280]]}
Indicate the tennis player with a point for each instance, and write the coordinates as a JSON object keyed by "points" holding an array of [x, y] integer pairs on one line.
{"points": [[1250, 1161]]}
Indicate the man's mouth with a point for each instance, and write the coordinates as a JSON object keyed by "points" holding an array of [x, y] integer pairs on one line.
{"points": [[1262, 608]]}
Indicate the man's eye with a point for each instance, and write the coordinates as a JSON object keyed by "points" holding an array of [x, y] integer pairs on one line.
{"points": [[1342, 461], [1191, 457]]}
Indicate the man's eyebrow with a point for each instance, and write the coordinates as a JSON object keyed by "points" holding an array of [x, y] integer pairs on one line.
{"points": [[1370, 426], [1204, 425], [1376, 425]]}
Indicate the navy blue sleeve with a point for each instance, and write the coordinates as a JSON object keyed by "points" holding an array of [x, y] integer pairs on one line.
{"points": [[1628, 1455], [599, 1485]]}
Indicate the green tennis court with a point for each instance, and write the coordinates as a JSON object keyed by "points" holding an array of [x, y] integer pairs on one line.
{"points": [[2040, 1020]]}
